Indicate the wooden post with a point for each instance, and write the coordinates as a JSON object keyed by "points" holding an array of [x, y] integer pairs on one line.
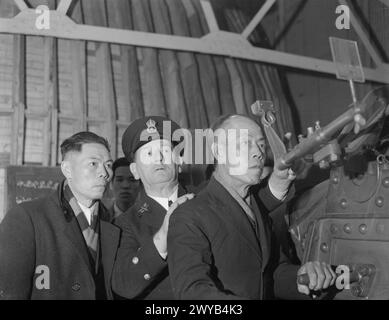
{"points": [[78, 54], [54, 105], [18, 99], [50, 135]]}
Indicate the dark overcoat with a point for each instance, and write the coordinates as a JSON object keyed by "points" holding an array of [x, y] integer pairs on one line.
{"points": [[42, 238], [215, 252]]}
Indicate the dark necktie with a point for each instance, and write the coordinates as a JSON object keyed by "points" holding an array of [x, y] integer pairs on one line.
{"points": [[170, 203]]}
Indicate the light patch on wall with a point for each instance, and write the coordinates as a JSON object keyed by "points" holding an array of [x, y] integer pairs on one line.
{"points": [[2, 193]]}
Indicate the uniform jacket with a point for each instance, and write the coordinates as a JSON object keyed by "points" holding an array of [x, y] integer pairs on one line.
{"points": [[111, 213], [215, 253], [139, 271], [45, 232]]}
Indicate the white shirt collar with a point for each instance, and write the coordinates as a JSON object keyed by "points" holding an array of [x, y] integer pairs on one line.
{"points": [[88, 211], [164, 202], [116, 210]]}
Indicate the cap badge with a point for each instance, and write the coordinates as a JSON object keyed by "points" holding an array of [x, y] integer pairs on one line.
{"points": [[144, 208], [151, 126]]}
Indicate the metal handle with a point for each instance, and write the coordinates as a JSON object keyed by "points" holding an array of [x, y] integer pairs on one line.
{"points": [[360, 278], [355, 276]]}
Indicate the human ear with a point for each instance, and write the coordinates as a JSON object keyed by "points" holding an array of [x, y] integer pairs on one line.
{"points": [[66, 169], [134, 171], [218, 152]]}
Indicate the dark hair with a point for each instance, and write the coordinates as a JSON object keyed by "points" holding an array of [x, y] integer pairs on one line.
{"points": [[75, 142], [120, 162]]}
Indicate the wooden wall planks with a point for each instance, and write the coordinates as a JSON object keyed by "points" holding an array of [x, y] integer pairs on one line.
{"points": [[67, 86], [170, 70], [194, 99], [2, 194], [150, 74], [206, 67]]}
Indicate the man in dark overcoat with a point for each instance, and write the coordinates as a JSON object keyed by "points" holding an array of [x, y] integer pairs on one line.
{"points": [[220, 243], [60, 246]]}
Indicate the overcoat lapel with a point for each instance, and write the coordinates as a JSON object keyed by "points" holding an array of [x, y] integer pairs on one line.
{"points": [[262, 230], [109, 245], [234, 215], [74, 235], [71, 228]]}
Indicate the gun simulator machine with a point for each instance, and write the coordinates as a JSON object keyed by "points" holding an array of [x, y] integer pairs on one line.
{"points": [[348, 223]]}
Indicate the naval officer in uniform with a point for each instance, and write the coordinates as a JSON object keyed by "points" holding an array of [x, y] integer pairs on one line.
{"points": [[141, 269]]}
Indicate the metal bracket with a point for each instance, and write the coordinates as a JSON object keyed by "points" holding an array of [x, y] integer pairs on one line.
{"points": [[365, 275]]}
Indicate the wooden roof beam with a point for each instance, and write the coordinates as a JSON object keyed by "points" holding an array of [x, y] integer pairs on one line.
{"points": [[21, 4], [220, 43], [258, 18], [64, 5], [209, 15]]}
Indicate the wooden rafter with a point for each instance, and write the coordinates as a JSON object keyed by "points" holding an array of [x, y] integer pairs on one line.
{"points": [[258, 18], [64, 6], [216, 43], [18, 100], [50, 102], [21, 4], [209, 15]]}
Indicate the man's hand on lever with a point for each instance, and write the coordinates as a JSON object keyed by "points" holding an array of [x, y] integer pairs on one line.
{"points": [[280, 180], [160, 238], [320, 275]]}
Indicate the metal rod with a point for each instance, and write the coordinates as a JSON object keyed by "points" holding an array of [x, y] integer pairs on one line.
{"points": [[353, 92]]}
